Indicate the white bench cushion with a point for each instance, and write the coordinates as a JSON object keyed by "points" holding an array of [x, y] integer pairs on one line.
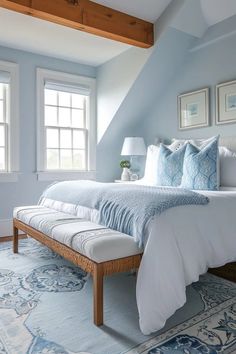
{"points": [[88, 238]]}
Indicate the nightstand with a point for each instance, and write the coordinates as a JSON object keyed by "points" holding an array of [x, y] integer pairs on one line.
{"points": [[120, 181]]}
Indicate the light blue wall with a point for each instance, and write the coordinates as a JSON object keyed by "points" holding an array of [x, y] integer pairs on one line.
{"points": [[114, 80], [27, 190], [133, 114], [149, 108], [175, 66], [210, 63]]}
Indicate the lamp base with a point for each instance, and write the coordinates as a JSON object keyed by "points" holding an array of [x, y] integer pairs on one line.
{"points": [[125, 176]]}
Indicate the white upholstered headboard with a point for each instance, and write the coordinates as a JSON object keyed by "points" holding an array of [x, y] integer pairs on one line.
{"points": [[229, 142]]}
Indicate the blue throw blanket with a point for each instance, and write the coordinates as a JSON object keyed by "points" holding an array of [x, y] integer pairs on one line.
{"points": [[125, 208]]}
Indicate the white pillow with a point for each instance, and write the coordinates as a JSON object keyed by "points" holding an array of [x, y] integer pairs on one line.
{"points": [[150, 174], [227, 167]]}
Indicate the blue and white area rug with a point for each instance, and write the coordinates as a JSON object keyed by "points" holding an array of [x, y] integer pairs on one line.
{"points": [[46, 308]]}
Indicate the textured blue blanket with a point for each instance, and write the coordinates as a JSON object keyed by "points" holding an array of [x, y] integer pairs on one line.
{"points": [[125, 208]]}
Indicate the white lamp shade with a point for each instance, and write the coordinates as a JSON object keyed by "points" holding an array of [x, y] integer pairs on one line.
{"points": [[133, 146]]}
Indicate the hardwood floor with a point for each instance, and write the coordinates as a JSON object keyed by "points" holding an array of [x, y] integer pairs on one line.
{"points": [[10, 238], [228, 271]]}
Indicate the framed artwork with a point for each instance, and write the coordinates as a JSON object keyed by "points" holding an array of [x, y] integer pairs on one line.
{"points": [[226, 103], [193, 109]]}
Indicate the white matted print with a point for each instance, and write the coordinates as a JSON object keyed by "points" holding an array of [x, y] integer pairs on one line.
{"points": [[226, 103], [193, 109]]}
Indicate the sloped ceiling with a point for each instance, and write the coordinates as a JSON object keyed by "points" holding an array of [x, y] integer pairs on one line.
{"points": [[217, 10]]}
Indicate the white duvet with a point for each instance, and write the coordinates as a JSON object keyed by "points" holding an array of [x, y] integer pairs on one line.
{"points": [[181, 244]]}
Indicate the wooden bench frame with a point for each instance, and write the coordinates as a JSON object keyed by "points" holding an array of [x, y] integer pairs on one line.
{"points": [[97, 270]]}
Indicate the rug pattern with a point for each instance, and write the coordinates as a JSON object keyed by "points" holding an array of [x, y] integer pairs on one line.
{"points": [[211, 332], [26, 278], [21, 293]]}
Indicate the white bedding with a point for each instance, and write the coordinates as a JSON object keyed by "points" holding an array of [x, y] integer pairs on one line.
{"points": [[180, 244]]}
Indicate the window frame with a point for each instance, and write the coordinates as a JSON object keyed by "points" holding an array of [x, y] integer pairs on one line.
{"points": [[5, 125], [12, 125], [43, 173]]}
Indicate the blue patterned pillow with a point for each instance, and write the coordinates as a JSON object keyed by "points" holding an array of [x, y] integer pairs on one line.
{"points": [[170, 166], [200, 167]]}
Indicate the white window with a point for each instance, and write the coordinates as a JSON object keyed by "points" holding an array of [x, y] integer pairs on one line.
{"points": [[9, 147], [4, 122], [66, 125]]}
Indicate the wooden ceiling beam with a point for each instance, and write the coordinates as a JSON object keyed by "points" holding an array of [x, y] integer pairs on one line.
{"points": [[88, 16]]}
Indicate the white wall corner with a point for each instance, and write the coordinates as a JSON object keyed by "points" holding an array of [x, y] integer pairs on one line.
{"points": [[167, 17], [190, 19]]}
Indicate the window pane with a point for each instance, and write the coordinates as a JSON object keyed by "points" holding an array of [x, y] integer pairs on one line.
{"points": [[2, 136], [52, 159], [2, 118], [64, 99], [52, 138], [65, 139], [79, 159], [50, 115], [78, 139], [64, 117], [77, 101], [66, 159], [78, 118], [50, 97], [2, 159], [1, 91]]}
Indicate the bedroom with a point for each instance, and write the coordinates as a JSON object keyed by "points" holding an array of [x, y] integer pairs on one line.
{"points": [[46, 301]]}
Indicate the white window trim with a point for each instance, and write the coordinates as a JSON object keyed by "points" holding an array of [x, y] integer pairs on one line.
{"points": [[13, 142], [42, 76]]}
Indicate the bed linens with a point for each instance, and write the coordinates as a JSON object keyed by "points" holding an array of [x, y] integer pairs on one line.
{"points": [[200, 167], [180, 245], [125, 208], [227, 167], [170, 166]]}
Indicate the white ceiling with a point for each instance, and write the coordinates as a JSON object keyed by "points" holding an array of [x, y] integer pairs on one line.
{"points": [[42, 37], [149, 10], [218, 10]]}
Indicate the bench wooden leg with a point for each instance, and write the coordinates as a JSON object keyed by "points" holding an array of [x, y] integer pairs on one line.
{"points": [[98, 294], [15, 239]]}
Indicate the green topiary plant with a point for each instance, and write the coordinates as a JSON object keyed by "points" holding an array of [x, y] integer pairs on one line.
{"points": [[125, 164]]}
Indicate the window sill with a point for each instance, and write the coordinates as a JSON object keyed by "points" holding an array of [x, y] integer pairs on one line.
{"points": [[6, 177], [65, 175]]}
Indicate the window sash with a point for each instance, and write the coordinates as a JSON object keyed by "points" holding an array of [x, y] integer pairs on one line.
{"points": [[75, 81], [5, 100], [5, 146], [59, 127], [72, 149], [4, 123], [71, 108]]}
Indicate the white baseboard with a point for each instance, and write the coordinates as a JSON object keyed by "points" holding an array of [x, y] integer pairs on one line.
{"points": [[6, 227]]}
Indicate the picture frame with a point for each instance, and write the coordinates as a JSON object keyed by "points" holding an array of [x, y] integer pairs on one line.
{"points": [[226, 103], [193, 109]]}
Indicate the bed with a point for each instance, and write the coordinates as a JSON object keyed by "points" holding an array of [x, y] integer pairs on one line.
{"points": [[179, 245]]}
